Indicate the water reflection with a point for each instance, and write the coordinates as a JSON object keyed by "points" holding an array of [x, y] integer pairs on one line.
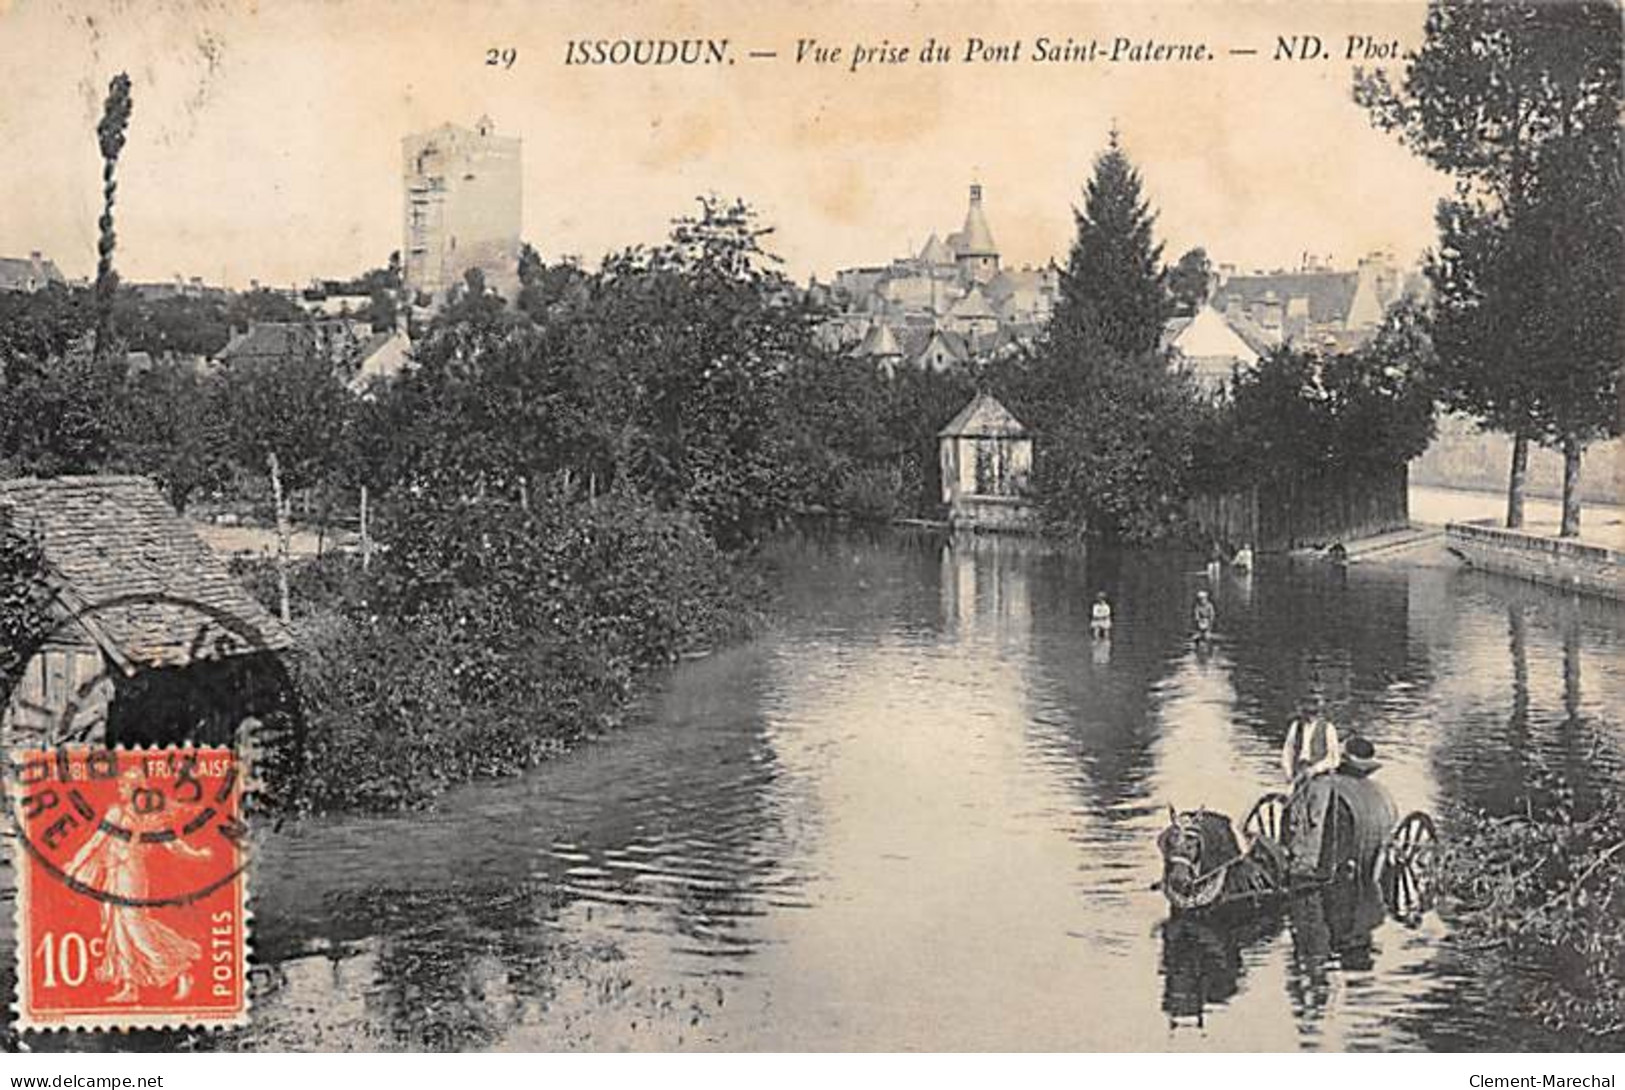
{"points": [[920, 813], [1202, 959]]}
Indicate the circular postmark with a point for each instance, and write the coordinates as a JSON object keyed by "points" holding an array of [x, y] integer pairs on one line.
{"points": [[136, 828], [167, 668], [142, 635]]}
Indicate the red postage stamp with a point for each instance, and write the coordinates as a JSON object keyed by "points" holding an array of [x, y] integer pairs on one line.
{"points": [[132, 907]]}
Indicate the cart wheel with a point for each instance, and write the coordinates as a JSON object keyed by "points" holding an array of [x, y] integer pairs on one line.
{"points": [[1410, 869], [1266, 818]]}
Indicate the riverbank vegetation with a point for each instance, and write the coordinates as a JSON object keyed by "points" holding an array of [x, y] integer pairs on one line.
{"points": [[567, 493], [1115, 423], [1127, 437], [1539, 892], [493, 636], [1332, 419]]}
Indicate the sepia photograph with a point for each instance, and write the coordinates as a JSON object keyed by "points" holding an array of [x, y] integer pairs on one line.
{"points": [[859, 526]]}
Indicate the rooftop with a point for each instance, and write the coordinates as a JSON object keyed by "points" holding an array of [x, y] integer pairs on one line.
{"points": [[1329, 294], [28, 273], [984, 417], [975, 240], [134, 575]]}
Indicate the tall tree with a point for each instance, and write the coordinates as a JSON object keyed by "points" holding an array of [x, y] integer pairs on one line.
{"points": [[1518, 100], [167, 425], [1112, 285], [1115, 425], [1579, 237], [1188, 282], [704, 327], [56, 413], [110, 136]]}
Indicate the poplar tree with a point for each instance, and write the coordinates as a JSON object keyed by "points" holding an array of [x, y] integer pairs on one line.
{"points": [[110, 136]]}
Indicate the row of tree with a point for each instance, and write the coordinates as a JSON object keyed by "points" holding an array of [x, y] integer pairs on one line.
{"points": [[1519, 102], [689, 371]]}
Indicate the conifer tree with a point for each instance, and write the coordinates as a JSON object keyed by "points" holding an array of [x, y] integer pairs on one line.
{"points": [[1115, 424], [1112, 288]]}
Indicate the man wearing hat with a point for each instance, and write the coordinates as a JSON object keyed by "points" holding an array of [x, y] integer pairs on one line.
{"points": [[1312, 752], [1359, 758], [1324, 771]]}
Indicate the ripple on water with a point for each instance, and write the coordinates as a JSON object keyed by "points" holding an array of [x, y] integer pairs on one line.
{"points": [[917, 813]]}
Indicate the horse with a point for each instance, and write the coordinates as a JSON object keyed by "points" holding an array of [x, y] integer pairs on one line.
{"points": [[1333, 828], [1204, 865]]}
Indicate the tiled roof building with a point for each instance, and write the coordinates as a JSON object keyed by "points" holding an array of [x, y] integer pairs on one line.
{"points": [[1311, 308], [357, 353], [29, 273], [147, 589], [1315, 306], [955, 287], [153, 640]]}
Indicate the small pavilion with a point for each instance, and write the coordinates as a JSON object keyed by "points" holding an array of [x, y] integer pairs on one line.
{"points": [[986, 459]]}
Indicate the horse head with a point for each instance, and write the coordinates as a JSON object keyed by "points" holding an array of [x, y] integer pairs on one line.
{"points": [[1195, 847]]}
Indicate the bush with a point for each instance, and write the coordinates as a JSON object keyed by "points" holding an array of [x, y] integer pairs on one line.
{"points": [[316, 585], [1114, 438], [872, 493], [1544, 888], [485, 651]]}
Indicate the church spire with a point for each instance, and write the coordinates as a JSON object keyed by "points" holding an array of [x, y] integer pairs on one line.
{"points": [[976, 251]]}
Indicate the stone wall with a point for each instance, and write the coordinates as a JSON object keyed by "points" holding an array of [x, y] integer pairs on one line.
{"points": [[1462, 456], [1558, 562]]}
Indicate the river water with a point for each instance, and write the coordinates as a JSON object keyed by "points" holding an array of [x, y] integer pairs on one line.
{"points": [[919, 813]]}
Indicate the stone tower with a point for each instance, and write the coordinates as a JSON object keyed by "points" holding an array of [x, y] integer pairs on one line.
{"points": [[974, 248], [463, 208]]}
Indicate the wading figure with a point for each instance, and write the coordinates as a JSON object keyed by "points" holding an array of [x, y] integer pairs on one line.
{"points": [[1100, 617], [140, 952], [1204, 615]]}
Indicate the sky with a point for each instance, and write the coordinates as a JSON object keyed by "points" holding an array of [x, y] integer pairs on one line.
{"points": [[266, 137]]}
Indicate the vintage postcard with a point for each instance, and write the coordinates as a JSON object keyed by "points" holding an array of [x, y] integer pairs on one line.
{"points": [[850, 526]]}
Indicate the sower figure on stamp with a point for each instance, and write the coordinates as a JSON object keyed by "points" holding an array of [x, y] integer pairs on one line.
{"points": [[139, 950]]}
